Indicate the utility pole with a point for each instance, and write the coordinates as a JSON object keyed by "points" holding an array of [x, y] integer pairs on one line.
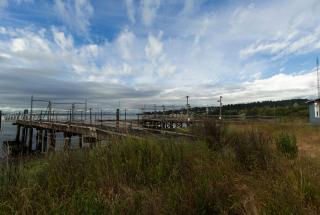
{"points": [[125, 119], [50, 108], [101, 117], [220, 101], [318, 78], [90, 116], [73, 107], [31, 108], [85, 110], [187, 107], [163, 108]]}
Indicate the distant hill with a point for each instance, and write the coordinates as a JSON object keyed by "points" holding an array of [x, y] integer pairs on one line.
{"points": [[292, 107]]}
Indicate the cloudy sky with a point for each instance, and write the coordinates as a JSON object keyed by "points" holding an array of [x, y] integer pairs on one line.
{"points": [[157, 51]]}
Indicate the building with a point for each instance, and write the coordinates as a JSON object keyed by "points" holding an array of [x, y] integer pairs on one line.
{"points": [[314, 111]]}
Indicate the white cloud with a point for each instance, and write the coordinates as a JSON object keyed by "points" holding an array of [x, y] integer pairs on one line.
{"points": [[125, 41], [63, 41], [167, 70], [298, 44], [131, 10], [18, 44], [5, 3], [75, 13], [154, 47], [277, 87], [149, 11], [203, 55], [294, 29]]}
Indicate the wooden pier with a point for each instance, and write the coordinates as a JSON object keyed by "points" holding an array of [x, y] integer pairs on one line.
{"points": [[45, 135], [39, 130]]}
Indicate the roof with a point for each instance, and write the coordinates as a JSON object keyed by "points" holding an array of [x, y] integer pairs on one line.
{"points": [[313, 101]]}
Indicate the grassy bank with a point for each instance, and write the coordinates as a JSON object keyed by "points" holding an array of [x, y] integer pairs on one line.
{"points": [[227, 171]]}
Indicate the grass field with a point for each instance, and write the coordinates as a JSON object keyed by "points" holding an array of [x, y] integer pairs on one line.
{"points": [[230, 169]]}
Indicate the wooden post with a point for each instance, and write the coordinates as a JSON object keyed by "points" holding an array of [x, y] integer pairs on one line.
{"points": [[117, 118], [125, 119], [101, 117], [67, 141], [45, 141], [49, 134], [30, 139], [80, 141], [90, 116], [18, 134], [40, 140], [0, 120], [52, 141], [24, 138], [37, 139]]}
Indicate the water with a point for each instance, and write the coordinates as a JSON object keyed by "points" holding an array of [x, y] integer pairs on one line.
{"points": [[8, 132]]}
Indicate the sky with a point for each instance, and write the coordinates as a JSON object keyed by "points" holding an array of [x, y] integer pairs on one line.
{"points": [[136, 52]]}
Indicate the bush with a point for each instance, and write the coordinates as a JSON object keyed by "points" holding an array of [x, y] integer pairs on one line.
{"points": [[287, 144], [213, 132], [252, 149]]}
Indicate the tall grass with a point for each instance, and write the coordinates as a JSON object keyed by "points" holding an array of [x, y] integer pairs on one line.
{"points": [[228, 173]]}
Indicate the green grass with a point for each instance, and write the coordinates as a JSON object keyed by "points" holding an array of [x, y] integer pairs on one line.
{"points": [[230, 172]]}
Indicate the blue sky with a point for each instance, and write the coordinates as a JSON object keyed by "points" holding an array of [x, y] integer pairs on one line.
{"points": [[157, 51]]}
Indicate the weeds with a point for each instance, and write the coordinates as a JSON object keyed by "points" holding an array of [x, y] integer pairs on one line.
{"points": [[252, 149], [287, 144], [226, 172], [213, 132]]}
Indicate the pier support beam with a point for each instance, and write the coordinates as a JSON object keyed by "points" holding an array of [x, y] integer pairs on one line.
{"points": [[117, 119], [30, 139], [52, 140], [24, 139], [18, 134], [80, 141], [66, 141], [39, 140], [45, 141]]}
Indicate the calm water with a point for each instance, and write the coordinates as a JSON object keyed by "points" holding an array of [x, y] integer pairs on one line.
{"points": [[8, 132]]}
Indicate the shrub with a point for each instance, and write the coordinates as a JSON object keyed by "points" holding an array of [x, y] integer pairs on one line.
{"points": [[287, 144], [252, 149], [213, 132]]}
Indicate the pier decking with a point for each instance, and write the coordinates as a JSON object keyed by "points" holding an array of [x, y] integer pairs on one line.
{"points": [[45, 135]]}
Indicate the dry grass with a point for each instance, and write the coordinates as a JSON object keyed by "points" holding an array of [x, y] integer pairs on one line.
{"points": [[245, 174], [308, 136]]}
